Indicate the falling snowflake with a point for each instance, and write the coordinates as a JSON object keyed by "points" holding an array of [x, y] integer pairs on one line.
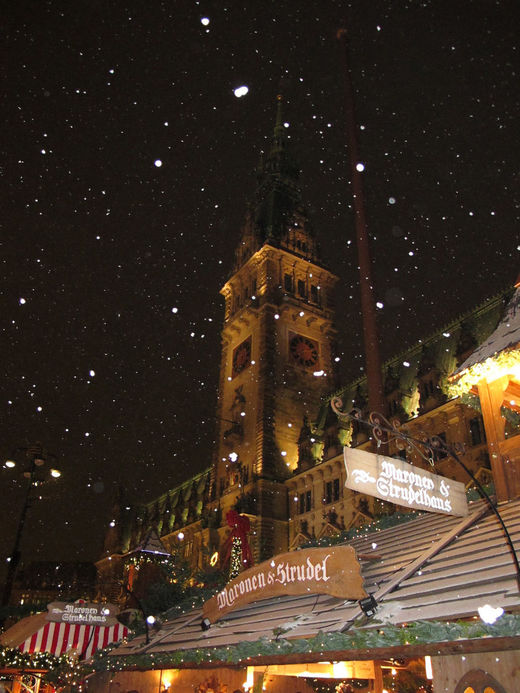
{"points": [[489, 614]]}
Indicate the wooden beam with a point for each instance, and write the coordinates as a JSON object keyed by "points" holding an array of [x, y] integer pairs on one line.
{"points": [[433, 550], [512, 394], [475, 645], [491, 396], [21, 671], [513, 389], [378, 681]]}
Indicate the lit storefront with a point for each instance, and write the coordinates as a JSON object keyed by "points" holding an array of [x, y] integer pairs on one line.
{"points": [[431, 585]]}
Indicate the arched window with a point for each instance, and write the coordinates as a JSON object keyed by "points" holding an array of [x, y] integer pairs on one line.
{"points": [[479, 681]]}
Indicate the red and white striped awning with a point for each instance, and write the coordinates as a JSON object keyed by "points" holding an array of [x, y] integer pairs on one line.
{"points": [[60, 638]]}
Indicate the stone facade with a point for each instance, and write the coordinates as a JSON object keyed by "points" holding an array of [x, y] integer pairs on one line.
{"points": [[278, 454]]}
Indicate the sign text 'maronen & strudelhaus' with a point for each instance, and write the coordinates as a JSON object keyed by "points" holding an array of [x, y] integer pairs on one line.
{"points": [[82, 613], [403, 484], [334, 570]]}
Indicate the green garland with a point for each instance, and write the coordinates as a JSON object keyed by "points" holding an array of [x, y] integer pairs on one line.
{"points": [[471, 400], [56, 669], [235, 562], [416, 633], [384, 522], [140, 559], [14, 658], [510, 415]]}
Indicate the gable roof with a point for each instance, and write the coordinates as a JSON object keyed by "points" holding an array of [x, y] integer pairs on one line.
{"points": [[151, 544], [505, 337], [435, 567], [36, 634]]}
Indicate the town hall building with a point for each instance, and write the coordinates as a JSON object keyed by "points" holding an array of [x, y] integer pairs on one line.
{"points": [[278, 455]]}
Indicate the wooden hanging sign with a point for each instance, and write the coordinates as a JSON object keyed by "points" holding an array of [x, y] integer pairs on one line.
{"points": [[81, 612], [401, 483], [333, 570]]}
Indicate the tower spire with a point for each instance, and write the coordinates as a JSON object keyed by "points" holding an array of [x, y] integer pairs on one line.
{"points": [[279, 129], [278, 162], [277, 194]]}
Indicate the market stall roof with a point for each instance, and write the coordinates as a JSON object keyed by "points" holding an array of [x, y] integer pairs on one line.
{"points": [[36, 634], [434, 567], [504, 338], [150, 544]]}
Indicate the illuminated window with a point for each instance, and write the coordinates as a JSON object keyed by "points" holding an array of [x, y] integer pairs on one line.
{"points": [[479, 681]]}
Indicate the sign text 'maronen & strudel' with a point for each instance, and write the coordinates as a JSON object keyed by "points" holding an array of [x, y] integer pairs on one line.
{"points": [[334, 570], [403, 484]]}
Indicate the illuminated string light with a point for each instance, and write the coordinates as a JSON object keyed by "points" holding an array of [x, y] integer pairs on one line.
{"points": [[235, 563]]}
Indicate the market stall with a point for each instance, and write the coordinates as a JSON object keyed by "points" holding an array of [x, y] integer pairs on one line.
{"points": [[442, 594], [76, 630]]}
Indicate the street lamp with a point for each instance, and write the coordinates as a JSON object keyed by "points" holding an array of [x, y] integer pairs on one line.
{"points": [[36, 457]]}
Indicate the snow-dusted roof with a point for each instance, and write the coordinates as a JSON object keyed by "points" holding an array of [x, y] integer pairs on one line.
{"points": [[438, 567], [504, 338], [151, 544]]}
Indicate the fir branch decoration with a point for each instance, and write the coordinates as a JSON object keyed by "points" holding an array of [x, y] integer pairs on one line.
{"points": [[384, 522], [12, 657], [418, 632]]}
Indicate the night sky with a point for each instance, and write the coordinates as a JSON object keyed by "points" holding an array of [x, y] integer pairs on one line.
{"points": [[112, 264]]}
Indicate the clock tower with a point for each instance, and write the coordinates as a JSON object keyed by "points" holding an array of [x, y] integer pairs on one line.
{"points": [[277, 344]]}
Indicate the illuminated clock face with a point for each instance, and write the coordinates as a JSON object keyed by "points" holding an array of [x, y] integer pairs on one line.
{"points": [[303, 350], [241, 357]]}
